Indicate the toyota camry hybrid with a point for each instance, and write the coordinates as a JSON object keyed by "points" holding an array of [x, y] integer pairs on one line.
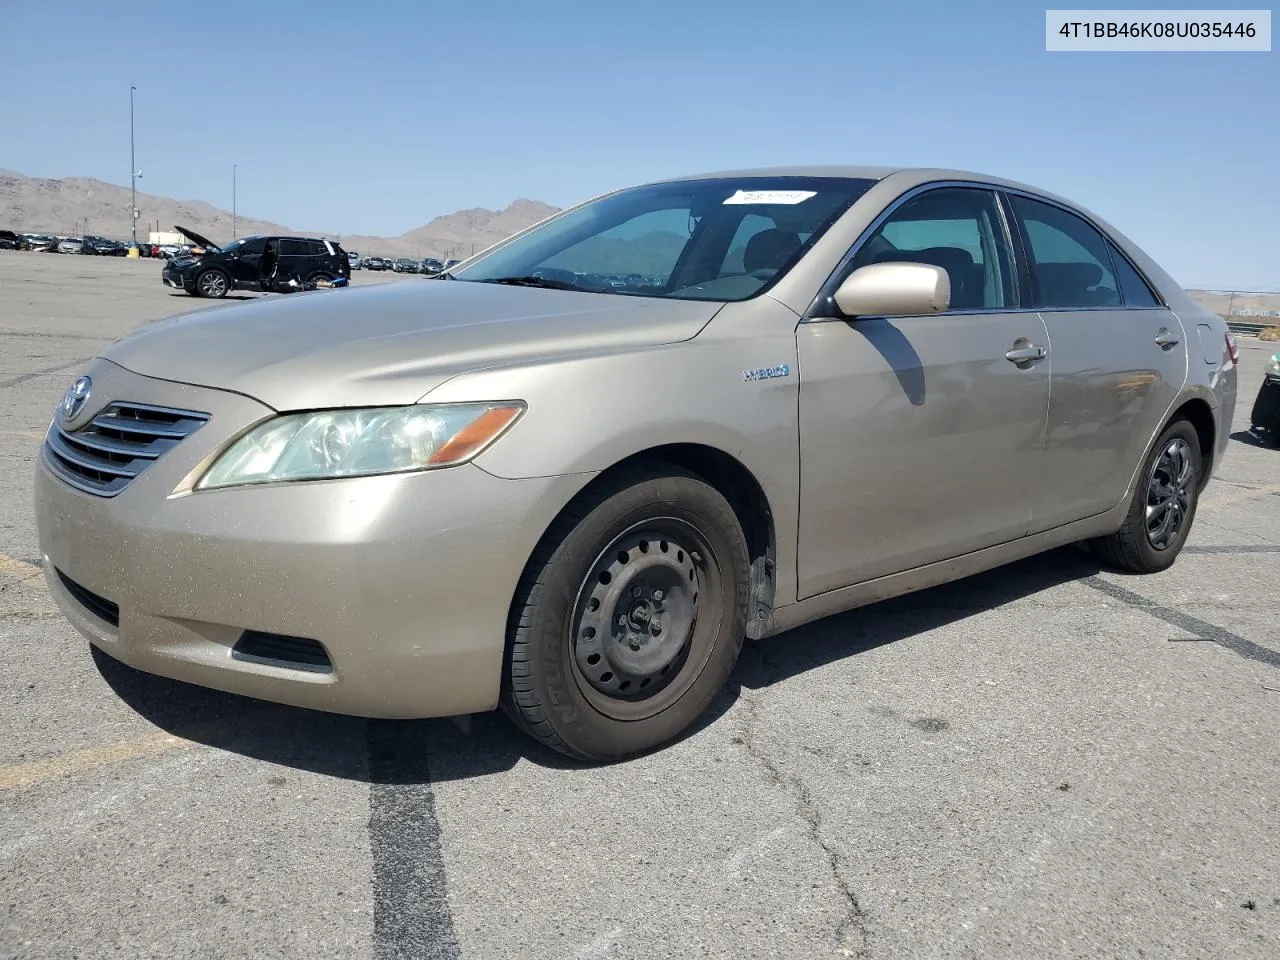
{"points": [[573, 473]]}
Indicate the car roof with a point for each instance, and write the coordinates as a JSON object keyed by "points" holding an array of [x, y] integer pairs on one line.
{"points": [[848, 172], [909, 176]]}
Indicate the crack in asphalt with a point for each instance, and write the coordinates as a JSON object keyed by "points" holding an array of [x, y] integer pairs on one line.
{"points": [[853, 926], [24, 377]]}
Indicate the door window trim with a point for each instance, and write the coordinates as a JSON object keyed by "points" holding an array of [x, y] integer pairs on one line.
{"points": [[823, 306], [1024, 250]]}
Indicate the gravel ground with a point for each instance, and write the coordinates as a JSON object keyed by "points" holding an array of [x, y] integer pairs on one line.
{"points": [[1048, 760]]}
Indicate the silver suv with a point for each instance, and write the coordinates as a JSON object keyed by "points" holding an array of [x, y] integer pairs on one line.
{"points": [[570, 476]]}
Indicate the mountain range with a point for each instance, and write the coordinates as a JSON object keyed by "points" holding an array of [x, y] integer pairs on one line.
{"points": [[79, 205]]}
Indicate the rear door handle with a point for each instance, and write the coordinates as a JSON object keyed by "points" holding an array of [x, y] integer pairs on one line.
{"points": [[1025, 354], [1165, 339]]}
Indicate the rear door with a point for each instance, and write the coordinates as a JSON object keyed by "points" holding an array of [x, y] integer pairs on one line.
{"points": [[1118, 362], [295, 260], [920, 436]]}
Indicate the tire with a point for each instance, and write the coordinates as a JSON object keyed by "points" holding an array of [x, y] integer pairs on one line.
{"points": [[213, 283], [1169, 486], [649, 545]]}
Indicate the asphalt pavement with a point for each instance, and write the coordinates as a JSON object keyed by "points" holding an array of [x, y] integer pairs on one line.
{"points": [[1047, 760]]}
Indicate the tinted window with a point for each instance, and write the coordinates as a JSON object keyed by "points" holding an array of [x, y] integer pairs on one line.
{"points": [[958, 229], [1072, 266], [1133, 288], [293, 248]]}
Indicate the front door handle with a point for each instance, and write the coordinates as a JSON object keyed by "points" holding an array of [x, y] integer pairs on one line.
{"points": [[1025, 354], [1165, 340]]}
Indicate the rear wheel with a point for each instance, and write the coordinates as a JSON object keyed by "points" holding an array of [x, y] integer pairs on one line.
{"points": [[1163, 506], [629, 618], [213, 283]]}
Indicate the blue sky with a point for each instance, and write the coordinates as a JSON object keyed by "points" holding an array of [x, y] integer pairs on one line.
{"points": [[375, 117]]}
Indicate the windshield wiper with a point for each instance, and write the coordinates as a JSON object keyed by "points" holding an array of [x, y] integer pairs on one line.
{"points": [[532, 281]]}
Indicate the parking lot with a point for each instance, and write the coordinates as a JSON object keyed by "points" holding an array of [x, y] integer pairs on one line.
{"points": [[1047, 760]]}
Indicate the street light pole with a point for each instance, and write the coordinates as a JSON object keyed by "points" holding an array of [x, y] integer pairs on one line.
{"points": [[233, 201], [133, 174]]}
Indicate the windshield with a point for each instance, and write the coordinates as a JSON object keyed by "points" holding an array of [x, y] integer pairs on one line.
{"points": [[235, 244], [716, 239]]}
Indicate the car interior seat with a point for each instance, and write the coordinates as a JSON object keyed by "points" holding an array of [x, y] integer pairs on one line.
{"points": [[1065, 284], [770, 250]]}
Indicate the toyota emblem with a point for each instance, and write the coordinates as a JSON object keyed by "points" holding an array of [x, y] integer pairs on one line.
{"points": [[75, 398]]}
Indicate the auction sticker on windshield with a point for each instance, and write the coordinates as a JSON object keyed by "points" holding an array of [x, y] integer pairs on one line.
{"points": [[771, 196]]}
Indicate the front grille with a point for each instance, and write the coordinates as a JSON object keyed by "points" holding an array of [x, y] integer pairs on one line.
{"points": [[297, 653], [100, 607], [104, 456]]}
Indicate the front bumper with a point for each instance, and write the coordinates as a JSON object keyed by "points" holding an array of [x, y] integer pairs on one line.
{"points": [[173, 277], [404, 580]]}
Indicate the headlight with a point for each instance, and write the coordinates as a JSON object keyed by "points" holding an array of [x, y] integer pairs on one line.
{"points": [[1273, 366], [355, 443]]}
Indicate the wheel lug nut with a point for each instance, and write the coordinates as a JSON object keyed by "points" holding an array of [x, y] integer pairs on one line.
{"points": [[636, 591], [635, 647], [622, 619], [657, 594]]}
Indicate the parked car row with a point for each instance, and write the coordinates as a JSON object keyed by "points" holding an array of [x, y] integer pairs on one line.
{"points": [[429, 267], [44, 243]]}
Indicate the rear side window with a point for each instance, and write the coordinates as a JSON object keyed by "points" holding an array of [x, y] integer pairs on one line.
{"points": [[1133, 288], [293, 248], [958, 229], [1071, 266]]}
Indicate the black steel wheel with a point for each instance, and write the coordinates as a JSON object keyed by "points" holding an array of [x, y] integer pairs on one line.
{"points": [[630, 616]]}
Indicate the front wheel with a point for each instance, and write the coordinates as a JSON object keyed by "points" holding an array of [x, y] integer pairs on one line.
{"points": [[630, 616], [1163, 506], [213, 283]]}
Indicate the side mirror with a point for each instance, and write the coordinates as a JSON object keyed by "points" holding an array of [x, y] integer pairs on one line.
{"points": [[894, 289]]}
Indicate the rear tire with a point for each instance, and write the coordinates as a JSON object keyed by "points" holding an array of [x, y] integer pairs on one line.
{"points": [[1163, 506], [629, 617]]}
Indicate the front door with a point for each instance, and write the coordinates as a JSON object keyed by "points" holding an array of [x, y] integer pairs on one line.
{"points": [[919, 437], [247, 267], [1119, 360]]}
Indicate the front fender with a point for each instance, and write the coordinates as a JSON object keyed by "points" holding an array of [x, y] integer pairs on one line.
{"points": [[587, 414]]}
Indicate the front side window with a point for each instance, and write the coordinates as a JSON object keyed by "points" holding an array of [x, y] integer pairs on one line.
{"points": [[1071, 266], [714, 239], [958, 229]]}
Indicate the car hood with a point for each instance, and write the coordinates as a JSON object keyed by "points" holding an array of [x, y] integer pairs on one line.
{"points": [[392, 344], [197, 239]]}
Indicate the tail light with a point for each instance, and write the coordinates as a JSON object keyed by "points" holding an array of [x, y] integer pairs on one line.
{"points": [[1232, 350]]}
